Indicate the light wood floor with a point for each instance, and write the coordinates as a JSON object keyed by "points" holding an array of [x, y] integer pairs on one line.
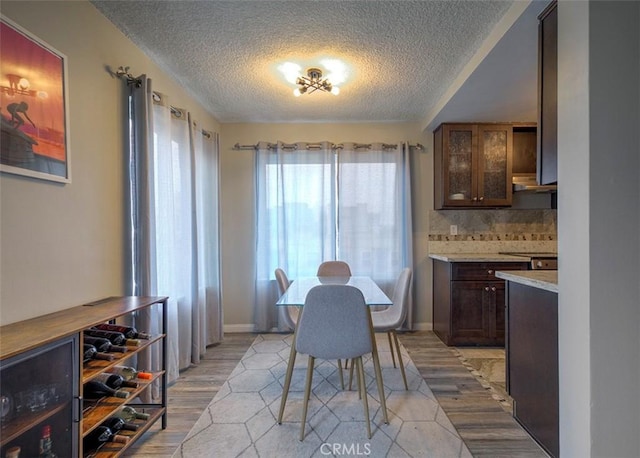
{"points": [[484, 426]]}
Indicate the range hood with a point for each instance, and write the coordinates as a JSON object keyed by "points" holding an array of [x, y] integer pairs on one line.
{"points": [[528, 183]]}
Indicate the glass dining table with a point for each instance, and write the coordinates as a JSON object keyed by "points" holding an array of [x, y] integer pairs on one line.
{"points": [[296, 295]]}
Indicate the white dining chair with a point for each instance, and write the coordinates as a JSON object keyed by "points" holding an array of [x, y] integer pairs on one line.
{"points": [[334, 269], [391, 318], [288, 315], [334, 324]]}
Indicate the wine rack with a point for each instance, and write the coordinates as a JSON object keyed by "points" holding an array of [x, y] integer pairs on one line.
{"points": [[42, 376]]}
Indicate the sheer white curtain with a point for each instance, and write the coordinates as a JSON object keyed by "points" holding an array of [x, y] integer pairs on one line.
{"points": [[374, 211], [295, 212], [207, 317], [315, 205], [174, 241], [174, 225]]}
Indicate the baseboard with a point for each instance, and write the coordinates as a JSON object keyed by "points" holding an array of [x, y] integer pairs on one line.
{"points": [[231, 328], [423, 326]]}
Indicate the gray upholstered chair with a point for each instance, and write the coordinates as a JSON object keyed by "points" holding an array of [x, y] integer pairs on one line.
{"points": [[391, 318], [334, 324], [288, 315], [334, 269]]}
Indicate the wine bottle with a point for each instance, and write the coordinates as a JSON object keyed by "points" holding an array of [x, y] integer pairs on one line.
{"points": [[104, 345], [116, 338], [101, 435], [115, 381], [91, 352], [129, 373], [95, 389], [118, 424], [128, 413], [129, 331], [46, 444]]}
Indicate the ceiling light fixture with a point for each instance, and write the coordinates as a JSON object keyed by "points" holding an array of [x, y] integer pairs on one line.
{"points": [[314, 82]]}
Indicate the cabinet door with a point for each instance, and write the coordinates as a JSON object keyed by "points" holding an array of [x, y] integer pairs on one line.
{"points": [[470, 314], [498, 299], [459, 163], [478, 313], [548, 95], [39, 392], [495, 143]]}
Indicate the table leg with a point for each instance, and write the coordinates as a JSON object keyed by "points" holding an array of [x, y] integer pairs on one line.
{"points": [[287, 379], [376, 365]]}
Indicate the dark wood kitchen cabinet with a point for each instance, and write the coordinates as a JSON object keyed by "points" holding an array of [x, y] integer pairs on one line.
{"points": [[532, 362], [469, 302], [547, 168], [472, 165]]}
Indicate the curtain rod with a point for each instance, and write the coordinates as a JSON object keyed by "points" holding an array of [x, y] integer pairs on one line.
{"points": [[123, 72], [238, 146]]}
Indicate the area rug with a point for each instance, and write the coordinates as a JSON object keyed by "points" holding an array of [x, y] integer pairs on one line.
{"points": [[241, 420]]}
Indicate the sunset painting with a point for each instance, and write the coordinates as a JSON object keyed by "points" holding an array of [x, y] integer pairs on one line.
{"points": [[32, 106]]}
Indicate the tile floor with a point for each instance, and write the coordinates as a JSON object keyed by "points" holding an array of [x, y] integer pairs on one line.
{"points": [[488, 366], [241, 419]]}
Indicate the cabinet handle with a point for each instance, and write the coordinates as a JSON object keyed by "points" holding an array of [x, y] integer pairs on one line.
{"points": [[490, 272], [486, 288], [493, 288], [481, 199], [475, 199]]}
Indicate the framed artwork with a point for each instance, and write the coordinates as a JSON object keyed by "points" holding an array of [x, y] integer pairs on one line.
{"points": [[33, 105]]}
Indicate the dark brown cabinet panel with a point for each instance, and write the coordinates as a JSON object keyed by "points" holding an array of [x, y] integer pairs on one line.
{"points": [[478, 317], [548, 95], [473, 165], [469, 302], [532, 362]]}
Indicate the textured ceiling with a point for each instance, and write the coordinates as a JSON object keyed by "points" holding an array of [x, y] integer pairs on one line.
{"points": [[402, 55]]}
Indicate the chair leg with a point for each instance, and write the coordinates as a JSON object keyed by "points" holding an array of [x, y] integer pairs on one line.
{"points": [[378, 371], [404, 376], [287, 379], [340, 374], [393, 358], [363, 391], [307, 394], [351, 375]]}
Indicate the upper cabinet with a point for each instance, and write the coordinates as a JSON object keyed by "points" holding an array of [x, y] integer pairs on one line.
{"points": [[548, 95], [473, 165]]}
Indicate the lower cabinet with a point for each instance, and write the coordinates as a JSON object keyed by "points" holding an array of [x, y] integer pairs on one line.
{"points": [[469, 302], [532, 362], [45, 405]]}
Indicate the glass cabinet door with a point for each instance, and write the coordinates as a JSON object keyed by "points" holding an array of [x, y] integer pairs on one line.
{"points": [[494, 164], [460, 142], [38, 390]]}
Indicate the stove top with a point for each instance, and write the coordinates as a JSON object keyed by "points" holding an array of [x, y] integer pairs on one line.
{"points": [[537, 261]]}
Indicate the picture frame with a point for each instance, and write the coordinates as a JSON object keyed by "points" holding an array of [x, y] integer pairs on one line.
{"points": [[34, 106]]}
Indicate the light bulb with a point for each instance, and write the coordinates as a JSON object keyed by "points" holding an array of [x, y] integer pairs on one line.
{"points": [[335, 90], [297, 92], [24, 84]]}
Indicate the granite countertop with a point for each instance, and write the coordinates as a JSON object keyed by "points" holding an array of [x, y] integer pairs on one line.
{"points": [[477, 257], [542, 279]]}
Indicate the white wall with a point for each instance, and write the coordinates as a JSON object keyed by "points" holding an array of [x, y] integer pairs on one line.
{"points": [[598, 228], [62, 245], [238, 246]]}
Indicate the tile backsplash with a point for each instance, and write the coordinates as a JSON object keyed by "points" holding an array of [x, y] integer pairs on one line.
{"points": [[491, 231]]}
